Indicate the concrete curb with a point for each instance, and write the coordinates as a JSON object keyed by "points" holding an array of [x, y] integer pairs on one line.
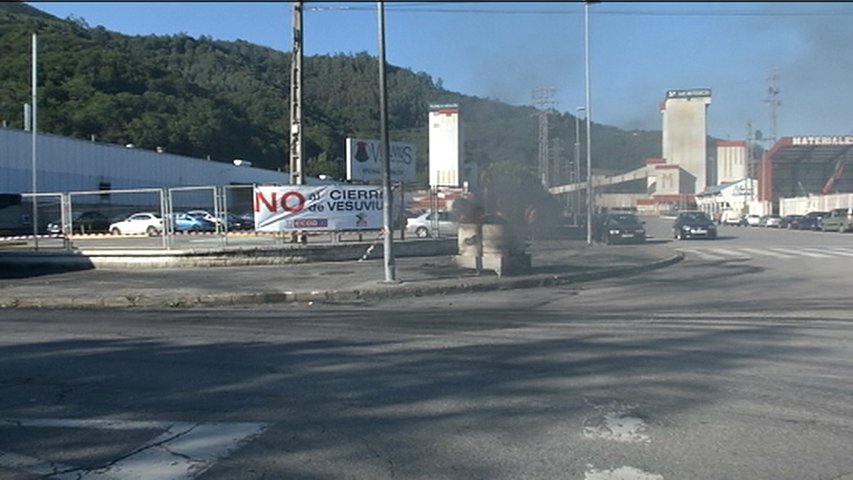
{"points": [[380, 292], [221, 257]]}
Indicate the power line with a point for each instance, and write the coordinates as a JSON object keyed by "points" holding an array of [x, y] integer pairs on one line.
{"points": [[431, 8]]}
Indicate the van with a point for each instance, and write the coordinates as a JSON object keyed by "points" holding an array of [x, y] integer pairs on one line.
{"points": [[730, 217]]}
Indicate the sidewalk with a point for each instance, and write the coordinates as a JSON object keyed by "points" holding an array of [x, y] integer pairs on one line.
{"points": [[553, 263]]}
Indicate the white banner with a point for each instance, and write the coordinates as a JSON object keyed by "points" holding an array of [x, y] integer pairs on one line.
{"points": [[364, 160], [291, 208]]}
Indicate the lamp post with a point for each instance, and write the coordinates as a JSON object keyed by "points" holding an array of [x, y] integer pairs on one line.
{"points": [[388, 245], [589, 192], [35, 215], [577, 193]]}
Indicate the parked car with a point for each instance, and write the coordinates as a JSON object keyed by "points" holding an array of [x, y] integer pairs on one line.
{"points": [[838, 220], [247, 219], [83, 222], [236, 222], [813, 220], [622, 228], [731, 217], [184, 222], [772, 221], [791, 222], [423, 225], [752, 220], [693, 224], [205, 215], [138, 223]]}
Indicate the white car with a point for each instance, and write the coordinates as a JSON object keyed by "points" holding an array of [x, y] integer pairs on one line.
{"points": [[139, 223], [425, 224], [753, 220], [773, 221]]}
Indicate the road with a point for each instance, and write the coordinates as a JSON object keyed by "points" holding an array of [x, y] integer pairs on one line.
{"points": [[734, 364]]}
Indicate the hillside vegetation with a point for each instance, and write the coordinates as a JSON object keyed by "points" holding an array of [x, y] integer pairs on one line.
{"points": [[203, 97]]}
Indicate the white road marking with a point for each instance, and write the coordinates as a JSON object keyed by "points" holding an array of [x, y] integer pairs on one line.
{"points": [[801, 252], [834, 251], [183, 451], [701, 254], [732, 253], [746, 253], [621, 473], [767, 253]]}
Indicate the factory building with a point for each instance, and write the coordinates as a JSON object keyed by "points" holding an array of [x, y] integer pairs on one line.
{"points": [[731, 161], [66, 164], [684, 135]]}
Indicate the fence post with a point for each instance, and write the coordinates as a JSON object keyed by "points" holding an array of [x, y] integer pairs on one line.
{"points": [[66, 220], [165, 211]]}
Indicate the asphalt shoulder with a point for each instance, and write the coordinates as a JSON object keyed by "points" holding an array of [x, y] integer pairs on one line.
{"points": [[552, 263]]}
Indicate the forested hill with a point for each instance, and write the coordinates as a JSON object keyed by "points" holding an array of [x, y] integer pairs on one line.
{"points": [[203, 97]]}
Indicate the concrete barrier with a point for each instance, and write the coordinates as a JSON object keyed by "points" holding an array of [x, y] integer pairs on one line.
{"points": [[228, 256]]}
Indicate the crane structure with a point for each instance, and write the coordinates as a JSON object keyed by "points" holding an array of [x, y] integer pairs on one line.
{"points": [[840, 168]]}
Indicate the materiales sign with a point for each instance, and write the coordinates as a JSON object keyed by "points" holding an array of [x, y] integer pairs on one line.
{"points": [[292, 208]]}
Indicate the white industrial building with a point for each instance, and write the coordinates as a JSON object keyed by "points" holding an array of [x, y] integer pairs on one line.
{"points": [[445, 146], [731, 161], [65, 164], [737, 196], [684, 134]]}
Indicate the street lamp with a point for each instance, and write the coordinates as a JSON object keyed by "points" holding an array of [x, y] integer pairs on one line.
{"points": [[388, 245], [589, 192], [577, 193]]}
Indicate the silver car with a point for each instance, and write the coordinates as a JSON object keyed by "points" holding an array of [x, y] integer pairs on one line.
{"points": [[428, 223]]}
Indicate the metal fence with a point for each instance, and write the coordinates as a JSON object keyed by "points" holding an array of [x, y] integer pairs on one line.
{"points": [[814, 203], [91, 220]]}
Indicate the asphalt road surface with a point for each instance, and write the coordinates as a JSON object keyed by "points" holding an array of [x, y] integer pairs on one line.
{"points": [[733, 364]]}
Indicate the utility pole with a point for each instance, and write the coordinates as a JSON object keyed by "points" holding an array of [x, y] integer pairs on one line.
{"points": [[296, 160], [577, 181], [543, 100], [560, 170], [590, 194], [749, 166]]}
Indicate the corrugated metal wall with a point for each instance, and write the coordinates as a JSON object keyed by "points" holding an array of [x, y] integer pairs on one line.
{"points": [[65, 164]]}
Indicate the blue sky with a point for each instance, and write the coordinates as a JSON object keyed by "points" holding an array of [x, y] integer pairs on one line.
{"points": [[505, 50]]}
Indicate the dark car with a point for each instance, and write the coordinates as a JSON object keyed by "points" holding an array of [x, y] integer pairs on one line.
{"points": [[694, 224], [83, 222], [791, 222], [813, 220], [622, 228]]}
